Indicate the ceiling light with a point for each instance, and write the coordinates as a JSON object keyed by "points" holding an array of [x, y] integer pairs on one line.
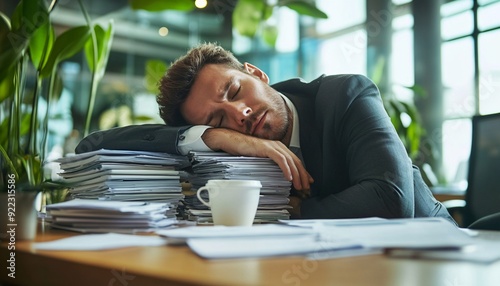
{"points": [[200, 4], [163, 31]]}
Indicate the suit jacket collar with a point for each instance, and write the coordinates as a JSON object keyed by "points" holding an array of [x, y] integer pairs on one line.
{"points": [[303, 97]]}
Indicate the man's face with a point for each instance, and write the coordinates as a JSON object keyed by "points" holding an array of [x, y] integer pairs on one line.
{"points": [[244, 102]]}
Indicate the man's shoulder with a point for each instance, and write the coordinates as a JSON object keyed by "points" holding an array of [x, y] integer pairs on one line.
{"points": [[298, 85]]}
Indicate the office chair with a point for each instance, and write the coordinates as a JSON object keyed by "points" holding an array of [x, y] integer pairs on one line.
{"points": [[482, 197]]}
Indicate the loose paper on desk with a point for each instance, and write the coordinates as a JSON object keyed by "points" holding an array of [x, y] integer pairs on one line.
{"points": [[414, 233], [345, 237], [182, 235], [224, 248], [100, 242], [266, 240]]}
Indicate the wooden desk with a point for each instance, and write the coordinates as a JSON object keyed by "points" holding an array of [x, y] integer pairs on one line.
{"points": [[169, 265], [444, 193]]}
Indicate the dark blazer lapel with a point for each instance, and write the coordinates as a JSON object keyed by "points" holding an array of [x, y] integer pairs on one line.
{"points": [[303, 96]]}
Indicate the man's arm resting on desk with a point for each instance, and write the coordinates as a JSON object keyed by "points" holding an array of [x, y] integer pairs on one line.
{"points": [[181, 140], [147, 137], [237, 143]]}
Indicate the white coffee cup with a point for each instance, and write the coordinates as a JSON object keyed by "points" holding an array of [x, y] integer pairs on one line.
{"points": [[232, 202]]}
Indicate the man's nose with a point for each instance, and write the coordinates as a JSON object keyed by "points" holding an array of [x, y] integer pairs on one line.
{"points": [[241, 113]]}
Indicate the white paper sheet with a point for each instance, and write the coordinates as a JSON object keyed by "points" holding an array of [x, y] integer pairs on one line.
{"points": [[100, 242], [179, 235], [391, 233], [223, 248], [482, 251]]}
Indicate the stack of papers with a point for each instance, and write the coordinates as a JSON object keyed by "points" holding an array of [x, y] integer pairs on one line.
{"points": [[121, 175], [96, 216], [273, 203]]}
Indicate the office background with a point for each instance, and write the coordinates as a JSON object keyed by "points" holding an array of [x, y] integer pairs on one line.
{"points": [[440, 55]]}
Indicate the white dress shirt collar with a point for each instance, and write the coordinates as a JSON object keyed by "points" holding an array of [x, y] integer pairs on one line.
{"points": [[295, 139]]}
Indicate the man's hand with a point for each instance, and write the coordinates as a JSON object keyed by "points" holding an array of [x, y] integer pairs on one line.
{"points": [[295, 203], [236, 143]]}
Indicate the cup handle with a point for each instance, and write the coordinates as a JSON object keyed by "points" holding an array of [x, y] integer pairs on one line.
{"points": [[200, 198]]}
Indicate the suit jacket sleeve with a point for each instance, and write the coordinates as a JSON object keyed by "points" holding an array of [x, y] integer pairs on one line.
{"points": [[147, 137], [362, 154]]}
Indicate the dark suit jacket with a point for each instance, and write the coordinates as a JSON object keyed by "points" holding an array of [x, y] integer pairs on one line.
{"points": [[348, 144]]}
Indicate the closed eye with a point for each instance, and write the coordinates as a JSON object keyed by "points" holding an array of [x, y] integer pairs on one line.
{"points": [[236, 93]]}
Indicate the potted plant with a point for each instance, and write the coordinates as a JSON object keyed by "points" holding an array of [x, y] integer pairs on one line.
{"points": [[28, 44]]}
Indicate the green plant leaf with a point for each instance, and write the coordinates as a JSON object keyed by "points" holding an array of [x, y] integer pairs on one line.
{"points": [[395, 115], [414, 130], [28, 16], [270, 35], [9, 58], [8, 161], [105, 49], [41, 44], [66, 45], [303, 8], [378, 71], [24, 125], [12, 46], [268, 11], [4, 23], [247, 16], [104, 40], [7, 87], [4, 135], [160, 5], [418, 90], [155, 69], [24, 128], [34, 168], [139, 118]]}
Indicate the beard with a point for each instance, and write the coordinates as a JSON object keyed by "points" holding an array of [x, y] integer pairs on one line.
{"points": [[281, 117]]}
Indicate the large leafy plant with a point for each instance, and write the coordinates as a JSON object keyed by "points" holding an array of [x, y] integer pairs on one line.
{"points": [[406, 119], [249, 16], [28, 43]]}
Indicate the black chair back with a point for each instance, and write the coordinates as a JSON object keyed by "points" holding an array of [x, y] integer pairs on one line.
{"points": [[483, 191]]}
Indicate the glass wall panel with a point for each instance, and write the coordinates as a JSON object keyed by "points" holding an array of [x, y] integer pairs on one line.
{"points": [[400, 2], [454, 7], [484, 2], [458, 78], [457, 137], [402, 70], [341, 14], [343, 54], [288, 37], [489, 72], [488, 16], [457, 25]]}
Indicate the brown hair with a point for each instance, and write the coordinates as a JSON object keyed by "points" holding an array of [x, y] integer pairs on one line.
{"points": [[177, 82]]}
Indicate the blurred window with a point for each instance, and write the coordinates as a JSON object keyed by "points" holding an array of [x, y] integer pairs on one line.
{"points": [[468, 91], [402, 69], [489, 72], [458, 78], [488, 16], [342, 37]]}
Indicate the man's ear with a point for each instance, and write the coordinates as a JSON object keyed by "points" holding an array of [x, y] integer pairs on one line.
{"points": [[251, 69]]}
